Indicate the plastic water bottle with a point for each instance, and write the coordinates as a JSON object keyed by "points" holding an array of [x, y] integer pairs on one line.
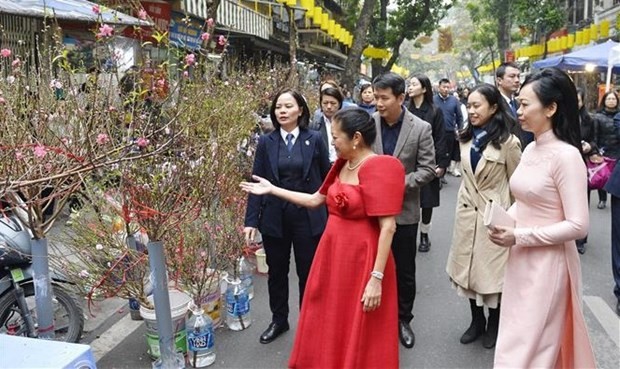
{"points": [[199, 329], [237, 306], [246, 274]]}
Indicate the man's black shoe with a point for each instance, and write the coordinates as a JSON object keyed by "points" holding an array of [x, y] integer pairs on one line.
{"points": [[273, 331], [407, 338], [581, 247]]}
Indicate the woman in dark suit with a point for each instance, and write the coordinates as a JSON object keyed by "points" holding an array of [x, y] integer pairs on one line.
{"points": [[420, 103], [295, 158]]}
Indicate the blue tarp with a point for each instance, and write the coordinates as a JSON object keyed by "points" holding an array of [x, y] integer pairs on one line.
{"points": [[80, 10], [577, 60]]}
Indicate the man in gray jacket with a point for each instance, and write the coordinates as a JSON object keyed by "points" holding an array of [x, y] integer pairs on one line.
{"points": [[408, 138]]}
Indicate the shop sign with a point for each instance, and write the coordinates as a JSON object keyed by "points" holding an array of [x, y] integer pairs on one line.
{"points": [[185, 31], [159, 13]]}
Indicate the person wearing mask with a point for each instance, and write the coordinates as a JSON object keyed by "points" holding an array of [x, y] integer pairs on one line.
{"points": [[363, 193], [606, 138], [588, 146], [490, 155], [295, 158], [420, 103], [410, 139], [508, 80], [331, 101], [541, 322], [453, 121], [367, 98]]}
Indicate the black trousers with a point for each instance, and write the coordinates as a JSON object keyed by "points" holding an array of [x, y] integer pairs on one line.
{"points": [[295, 232], [404, 250], [615, 243], [452, 145]]}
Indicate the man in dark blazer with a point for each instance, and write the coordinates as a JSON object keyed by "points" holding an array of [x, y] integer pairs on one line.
{"points": [[301, 167], [613, 187], [410, 139]]}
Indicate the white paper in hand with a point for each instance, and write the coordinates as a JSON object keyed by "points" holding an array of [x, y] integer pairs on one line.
{"points": [[495, 215]]}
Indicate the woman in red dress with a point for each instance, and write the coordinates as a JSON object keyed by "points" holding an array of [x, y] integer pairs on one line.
{"points": [[349, 317]]}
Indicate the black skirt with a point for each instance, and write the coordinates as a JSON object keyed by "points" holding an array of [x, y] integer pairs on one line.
{"points": [[429, 194]]}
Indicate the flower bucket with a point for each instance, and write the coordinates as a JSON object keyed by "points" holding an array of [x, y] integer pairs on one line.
{"points": [[178, 308]]}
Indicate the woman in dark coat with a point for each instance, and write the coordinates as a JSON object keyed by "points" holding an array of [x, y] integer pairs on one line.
{"points": [[588, 145], [605, 134], [420, 103]]}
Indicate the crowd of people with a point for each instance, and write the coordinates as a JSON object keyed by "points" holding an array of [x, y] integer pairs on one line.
{"points": [[347, 192]]}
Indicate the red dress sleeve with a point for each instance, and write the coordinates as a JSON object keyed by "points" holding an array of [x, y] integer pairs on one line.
{"points": [[382, 183], [331, 176]]}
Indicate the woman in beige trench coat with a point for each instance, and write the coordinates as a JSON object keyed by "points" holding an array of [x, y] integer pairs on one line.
{"points": [[489, 156]]}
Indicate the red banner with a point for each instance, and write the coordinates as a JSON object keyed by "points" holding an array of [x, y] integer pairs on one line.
{"points": [[509, 56], [158, 13]]}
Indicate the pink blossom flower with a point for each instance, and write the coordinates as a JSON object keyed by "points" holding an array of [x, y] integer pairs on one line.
{"points": [[142, 142], [5, 53], [39, 151], [205, 36], [190, 59], [210, 22], [99, 246], [221, 40], [142, 14], [102, 139], [185, 74], [18, 155], [96, 9], [161, 83], [105, 31], [2, 101], [55, 84], [84, 273], [16, 63], [203, 253], [111, 108], [48, 167], [65, 141]]}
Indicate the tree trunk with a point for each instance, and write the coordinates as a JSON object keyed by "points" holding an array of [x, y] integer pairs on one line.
{"points": [[376, 67], [503, 33], [292, 78], [353, 62], [395, 53]]}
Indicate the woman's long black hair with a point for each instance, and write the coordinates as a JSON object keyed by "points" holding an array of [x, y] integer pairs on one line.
{"points": [[425, 82], [498, 126], [552, 85]]}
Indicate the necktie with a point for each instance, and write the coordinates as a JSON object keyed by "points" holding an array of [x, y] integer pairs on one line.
{"points": [[289, 142], [513, 106]]}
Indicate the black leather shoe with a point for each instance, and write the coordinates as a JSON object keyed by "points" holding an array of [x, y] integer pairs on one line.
{"points": [[425, 243], [407, 338], [273, 331], [601, 205]]}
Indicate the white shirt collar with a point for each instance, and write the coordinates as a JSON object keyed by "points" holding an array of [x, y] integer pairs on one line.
{"points": [[295, 133]]}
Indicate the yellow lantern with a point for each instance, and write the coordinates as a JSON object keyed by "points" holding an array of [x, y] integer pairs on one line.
{"points": [[593, 31], [604, 29], [291, 3], [307, 4], [325, 22], [318, 16], [564, 42], [332, 28], [586, 36], [579, 38], [570, 42]]}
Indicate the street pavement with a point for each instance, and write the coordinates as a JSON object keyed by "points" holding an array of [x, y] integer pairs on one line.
{"points": [[440, 315]]}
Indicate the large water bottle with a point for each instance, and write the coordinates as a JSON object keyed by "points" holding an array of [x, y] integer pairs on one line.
{"points": [[199, 329], [237, 306], [246, 274]]}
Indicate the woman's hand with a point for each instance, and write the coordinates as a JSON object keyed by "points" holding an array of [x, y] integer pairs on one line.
{"points": [[261, 187], [371, 299], [250, 234], [502, 236]]}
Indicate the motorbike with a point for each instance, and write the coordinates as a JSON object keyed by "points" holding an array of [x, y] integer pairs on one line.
{"points": [[17, 302]]}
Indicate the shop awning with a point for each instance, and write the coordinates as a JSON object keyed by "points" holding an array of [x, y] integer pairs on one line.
{"points": [[597, 56], [78, 10]]}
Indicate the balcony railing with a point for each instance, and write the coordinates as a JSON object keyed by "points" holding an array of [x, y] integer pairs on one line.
{"points": [[241, 19]]}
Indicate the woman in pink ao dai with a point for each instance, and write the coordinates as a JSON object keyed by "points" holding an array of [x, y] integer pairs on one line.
{"points": [[541, 322]]}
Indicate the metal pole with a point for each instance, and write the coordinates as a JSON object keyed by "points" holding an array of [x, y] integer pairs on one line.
{"points": [[43, 289], [157, 260]]}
